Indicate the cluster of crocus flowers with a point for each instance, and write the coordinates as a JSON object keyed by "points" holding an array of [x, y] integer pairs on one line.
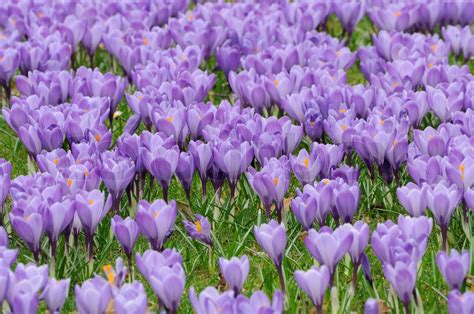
{"points": [[400, 248]]}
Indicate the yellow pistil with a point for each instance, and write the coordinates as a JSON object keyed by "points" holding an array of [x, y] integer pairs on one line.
{"points": [[40, 14], [170, 119], [397, 13], [311, 123], [306, 162], [56, 161], [395, 142], [343, 126], [97, 137], [276, 180], [91, 202], [69, 182], [140, 97], [382, 122], [86, 173], [430, 65], [343, 110], [146, 41], [395, 84], [190, 17], [434, 47], [276, 82], [155, 214], [461, 169], [198, 226], [326, 181], [110, 275]]}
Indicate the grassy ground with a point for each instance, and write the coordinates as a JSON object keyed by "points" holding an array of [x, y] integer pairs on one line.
{"points": [[233, 236]]}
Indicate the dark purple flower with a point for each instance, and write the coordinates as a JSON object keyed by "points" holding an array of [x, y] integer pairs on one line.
{"points": [[185, 172], [199, 230]]}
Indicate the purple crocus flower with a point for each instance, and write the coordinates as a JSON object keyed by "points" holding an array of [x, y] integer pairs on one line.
{"points": [[228, 58], [347, 201], [7, 256], [361, 233], [442, 200], [306, 167], [55, 294], [198, 117], [23, 287], [260, 303], [305, 209], [454, 267], [185, 172], [93, 296], [211, 301], [460, 303], [29, 225], [91, 207], [233, 159], [168, 284], [328, 246], [126, 232], [412, 199], [117, 172], [156, 221], [5, 176], [203, 157], [199, 230], [402, 277], [161, 162], [9, 62], [130, 298], [235, 272], [56, 218], [272, 239], [314, 283], [271, 183]]}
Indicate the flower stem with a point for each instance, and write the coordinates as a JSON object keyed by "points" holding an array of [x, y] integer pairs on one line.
{"points": [[282, 277]]}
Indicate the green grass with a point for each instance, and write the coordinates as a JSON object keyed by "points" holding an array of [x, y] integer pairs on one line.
{"points": [[233, 235]]}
